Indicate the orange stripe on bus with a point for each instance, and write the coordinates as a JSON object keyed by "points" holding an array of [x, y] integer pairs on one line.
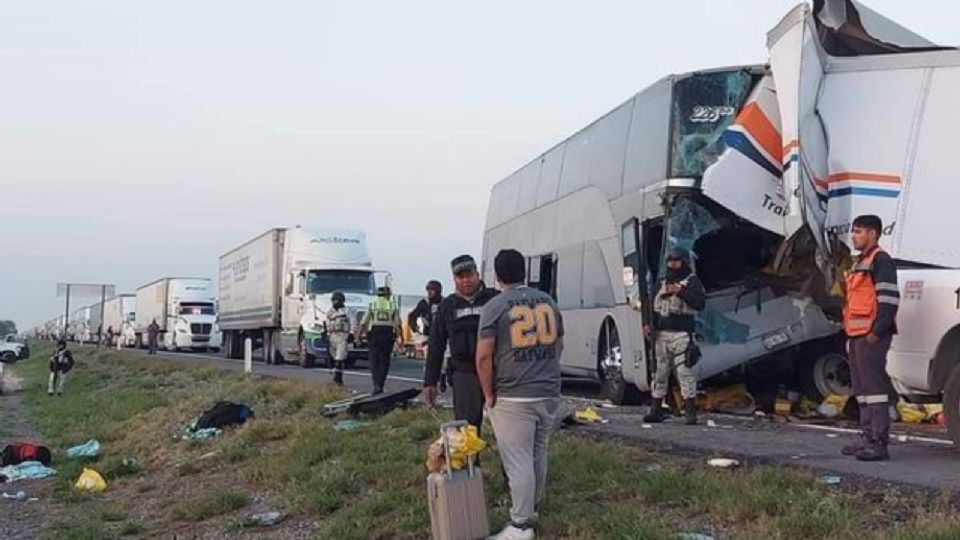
{"points": [[870, 177], [759, 127]]}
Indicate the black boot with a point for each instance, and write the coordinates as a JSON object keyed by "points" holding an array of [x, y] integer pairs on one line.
{"points": [[854, 447], [874, 451], [690, 410], [656, 414]]}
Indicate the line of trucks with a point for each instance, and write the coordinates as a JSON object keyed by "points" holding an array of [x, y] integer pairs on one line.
{"points": [[757, 171]]}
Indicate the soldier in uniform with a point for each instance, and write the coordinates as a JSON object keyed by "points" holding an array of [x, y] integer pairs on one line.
{"points": [[338, 334], [678, 298]]}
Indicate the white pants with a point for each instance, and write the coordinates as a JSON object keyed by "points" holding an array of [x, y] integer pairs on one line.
{"points": [[523, 431], [57, 379]]}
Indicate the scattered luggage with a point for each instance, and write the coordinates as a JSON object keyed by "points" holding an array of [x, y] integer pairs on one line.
{"points": [[223, 414], [458, 505], [15, 454]]}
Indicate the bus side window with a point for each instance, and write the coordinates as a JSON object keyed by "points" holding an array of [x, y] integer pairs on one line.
{"points": [[541, 273]]}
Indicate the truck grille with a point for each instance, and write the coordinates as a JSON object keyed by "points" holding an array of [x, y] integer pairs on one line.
{"points": [[200, 328]]}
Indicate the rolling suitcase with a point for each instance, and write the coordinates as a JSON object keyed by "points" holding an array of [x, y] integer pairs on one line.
{"points": [[458, 506]]}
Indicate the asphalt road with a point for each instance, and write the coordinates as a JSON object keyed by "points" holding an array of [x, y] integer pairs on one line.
{"points": [[922, 457]]}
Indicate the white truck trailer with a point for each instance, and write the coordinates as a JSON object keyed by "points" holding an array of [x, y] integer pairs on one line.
{"points": [[185, 310], [119, 313], [276, 289]]}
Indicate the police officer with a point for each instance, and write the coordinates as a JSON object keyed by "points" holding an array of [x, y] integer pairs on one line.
{"points": [[456, 324], [382, 324], [869, 320], [338, 334], [678, 298]]}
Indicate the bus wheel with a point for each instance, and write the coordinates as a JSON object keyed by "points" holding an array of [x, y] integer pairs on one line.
{"points": [[951, 405], [610, 368]]}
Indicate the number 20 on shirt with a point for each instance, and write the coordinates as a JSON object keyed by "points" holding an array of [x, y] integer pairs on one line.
{"points": [[532, 326]]}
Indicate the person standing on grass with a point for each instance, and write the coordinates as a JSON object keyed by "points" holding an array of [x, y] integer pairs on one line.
{"points": [[153, 334], [869, 320], [518, 364], [60, 364], [456, 325]]}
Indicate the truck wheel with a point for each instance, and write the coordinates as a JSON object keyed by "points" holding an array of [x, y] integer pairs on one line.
{"points": [[826, 374], [951, 406], [307, 360], [610, 368], [8, 357]]}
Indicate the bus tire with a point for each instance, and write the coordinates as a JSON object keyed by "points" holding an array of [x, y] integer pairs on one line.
{"points": [[610, 368], [826, 374], [951, 405]]}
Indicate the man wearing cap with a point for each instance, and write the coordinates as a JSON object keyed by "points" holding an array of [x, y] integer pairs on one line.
{"points": [[678, 298], [382, 324], [456, 325]]}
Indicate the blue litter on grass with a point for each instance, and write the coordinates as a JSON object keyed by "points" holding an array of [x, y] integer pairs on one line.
{"points": [[830, 480], [90, 448], [349, 425], [28, 470]]}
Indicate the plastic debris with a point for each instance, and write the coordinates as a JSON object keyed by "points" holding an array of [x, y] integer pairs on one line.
{"points": [[265, 519], [18, 496], [188, 434], [88, 449], [646, 426], [589, 416], [464, 443], [350, 425], [694, 536], [723, 463], [902, 438], [711, 423], [830, 480], [653, 467], [28, 470], [90, 481], [832, 435]]}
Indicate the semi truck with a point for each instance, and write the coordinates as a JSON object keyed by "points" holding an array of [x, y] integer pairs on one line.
{"points": [[276, 289], [119, 312], [185, 311]]}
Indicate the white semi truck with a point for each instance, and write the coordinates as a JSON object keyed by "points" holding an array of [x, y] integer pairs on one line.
{"points": [[276, 289], [119, 312], [185, 310]]}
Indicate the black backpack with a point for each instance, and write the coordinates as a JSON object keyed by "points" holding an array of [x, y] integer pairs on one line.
{"points": [[223, 414]]}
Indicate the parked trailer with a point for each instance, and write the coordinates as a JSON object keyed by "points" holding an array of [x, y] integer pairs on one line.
{"points": [[119, 313], [276, 289], [185, 311]]}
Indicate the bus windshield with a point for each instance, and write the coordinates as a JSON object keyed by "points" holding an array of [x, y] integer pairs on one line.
{"points": [[345, 281]]}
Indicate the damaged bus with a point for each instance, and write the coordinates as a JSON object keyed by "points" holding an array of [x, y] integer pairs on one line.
{"points": [[595, 214]]}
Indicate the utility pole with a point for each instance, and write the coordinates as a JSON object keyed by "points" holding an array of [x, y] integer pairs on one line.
{"points": [[85, 290]]}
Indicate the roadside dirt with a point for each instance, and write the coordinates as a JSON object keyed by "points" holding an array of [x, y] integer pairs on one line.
{"points": [[20, 520]]}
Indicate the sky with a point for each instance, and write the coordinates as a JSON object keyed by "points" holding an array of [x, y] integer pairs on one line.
{"points": [[141, 139]]}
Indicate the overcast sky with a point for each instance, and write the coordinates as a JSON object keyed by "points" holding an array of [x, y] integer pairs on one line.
{"points": [[141, 139]]}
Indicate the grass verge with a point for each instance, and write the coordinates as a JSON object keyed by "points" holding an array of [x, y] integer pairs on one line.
{"points": [[369, 483]]}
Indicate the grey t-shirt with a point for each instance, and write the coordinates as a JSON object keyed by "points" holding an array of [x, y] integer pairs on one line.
{"points": [[526, 324]]}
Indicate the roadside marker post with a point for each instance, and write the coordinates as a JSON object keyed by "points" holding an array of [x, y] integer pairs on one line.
{"points": [[248, 355]]}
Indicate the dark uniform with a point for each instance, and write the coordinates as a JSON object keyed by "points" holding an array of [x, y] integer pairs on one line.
{"points": [[153, 334], [456, 324], [871, 308]]}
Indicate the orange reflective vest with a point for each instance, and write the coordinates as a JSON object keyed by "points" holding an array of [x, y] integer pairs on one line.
{"points": [[860, 310]]}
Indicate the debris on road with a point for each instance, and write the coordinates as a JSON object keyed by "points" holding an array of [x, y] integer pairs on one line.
{"points": [[18, 496], [90, 481], [88, 449], [733, 399], [723, 463], [28, 470], [370, 404], [589, 416]]}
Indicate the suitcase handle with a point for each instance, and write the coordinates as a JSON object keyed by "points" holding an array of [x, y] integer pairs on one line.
{"points": [[456, 424]]}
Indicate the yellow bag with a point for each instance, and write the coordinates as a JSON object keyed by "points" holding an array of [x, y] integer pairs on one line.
{"points": [[90, 481], [464, 442]]}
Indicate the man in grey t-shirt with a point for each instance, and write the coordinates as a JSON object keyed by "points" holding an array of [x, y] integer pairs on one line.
{"points": [[518, 364]]}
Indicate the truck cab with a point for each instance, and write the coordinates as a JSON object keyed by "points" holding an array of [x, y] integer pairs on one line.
{"points": [[193, 320], [312, 298]]}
